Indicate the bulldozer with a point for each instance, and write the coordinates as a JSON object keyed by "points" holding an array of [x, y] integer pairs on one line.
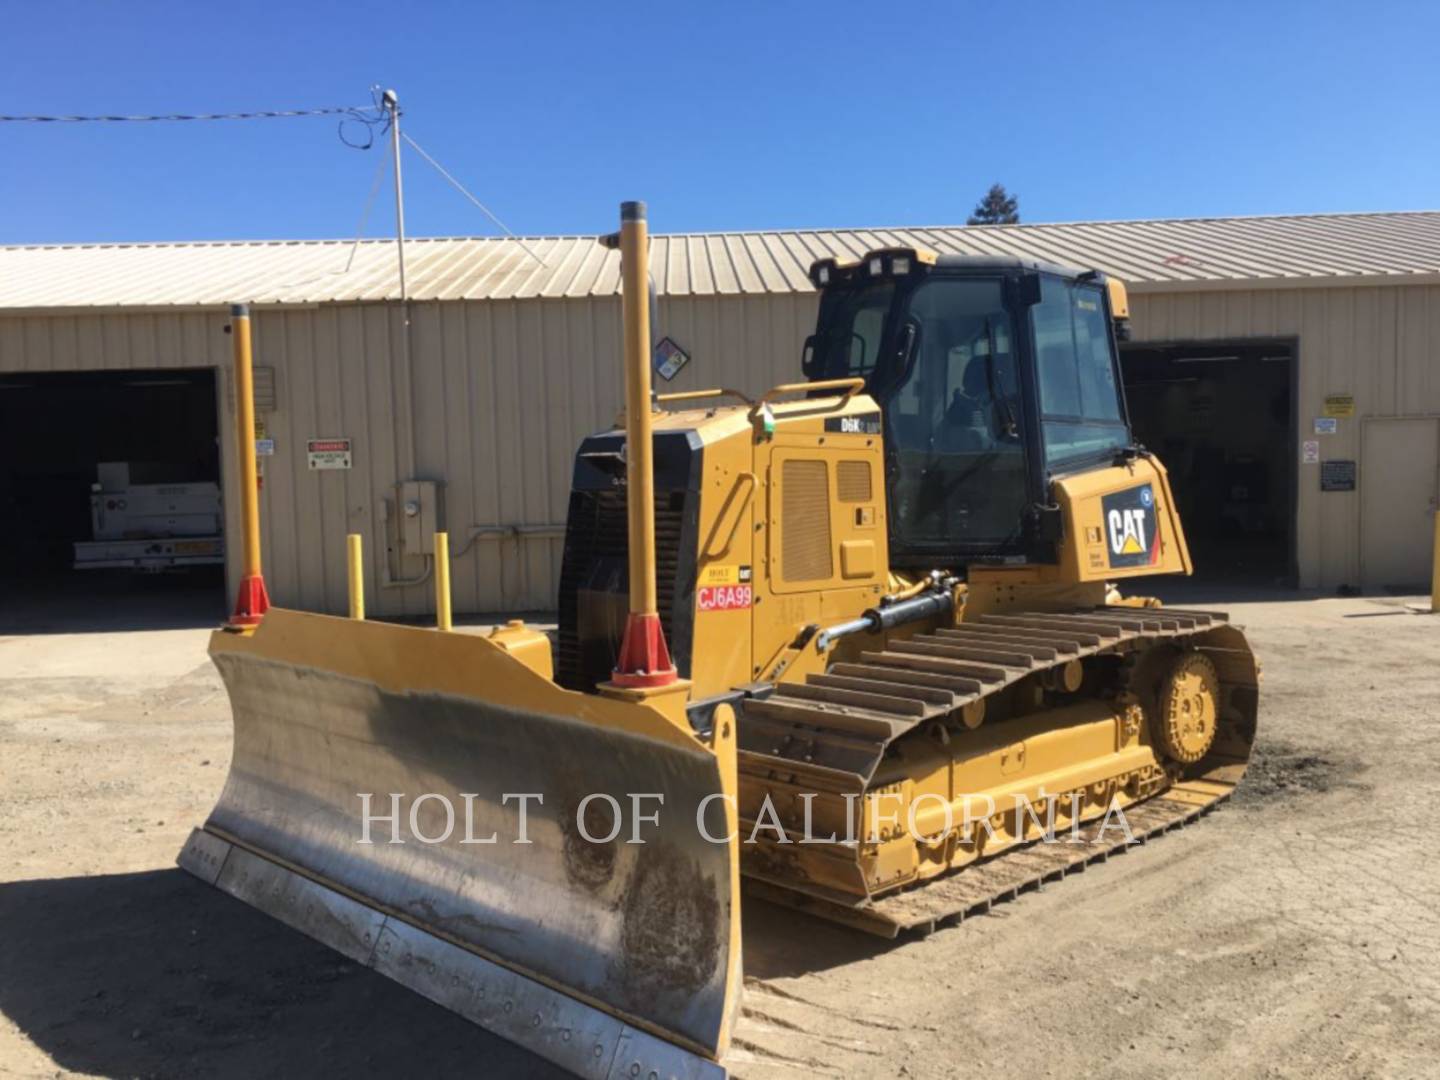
{"points": [[856, 643]]}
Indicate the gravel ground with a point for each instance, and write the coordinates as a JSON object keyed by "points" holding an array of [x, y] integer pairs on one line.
{"points": [[1290, 934]]}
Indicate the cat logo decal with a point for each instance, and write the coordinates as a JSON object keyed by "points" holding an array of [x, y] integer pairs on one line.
{"points": [[1131, 528]]}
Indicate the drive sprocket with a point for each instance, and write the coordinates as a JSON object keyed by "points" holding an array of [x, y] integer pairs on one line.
{"points": [[1188, 708]]}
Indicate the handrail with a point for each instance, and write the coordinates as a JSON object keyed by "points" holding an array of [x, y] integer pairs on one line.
{"points": [[852, 385], [718, 543], [692, 395]]}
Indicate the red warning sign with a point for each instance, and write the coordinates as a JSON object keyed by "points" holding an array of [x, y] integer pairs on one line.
{"points": [[722, 597]]}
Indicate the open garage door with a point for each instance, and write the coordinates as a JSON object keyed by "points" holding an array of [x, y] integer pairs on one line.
{"points": [[1221, 415], [109, 497]]}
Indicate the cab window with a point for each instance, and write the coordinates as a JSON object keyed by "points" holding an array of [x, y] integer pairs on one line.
{"points": [[954, 421], [853, 324], [1075, 372]]}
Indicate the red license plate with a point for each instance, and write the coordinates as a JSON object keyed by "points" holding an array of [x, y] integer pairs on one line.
{"points": [[722, 597]]}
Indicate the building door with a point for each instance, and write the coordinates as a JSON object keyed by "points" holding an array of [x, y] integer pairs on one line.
{"points": [[108, 499], [1220, 414], [1399, 488]]}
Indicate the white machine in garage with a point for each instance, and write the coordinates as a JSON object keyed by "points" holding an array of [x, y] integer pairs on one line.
{"points": [[151, 526]]}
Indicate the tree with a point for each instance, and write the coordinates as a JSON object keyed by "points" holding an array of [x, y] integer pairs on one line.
{"points": [[998, 207]]}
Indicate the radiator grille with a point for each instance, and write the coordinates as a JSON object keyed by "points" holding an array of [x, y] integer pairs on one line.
{"points": [[805, 521], [852, 481], [595, 541]]}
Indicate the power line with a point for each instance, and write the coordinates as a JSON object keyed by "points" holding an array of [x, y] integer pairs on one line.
{"points": [[279, 114], [382, 166], [375, 119], [380, 170], [461, 188]]}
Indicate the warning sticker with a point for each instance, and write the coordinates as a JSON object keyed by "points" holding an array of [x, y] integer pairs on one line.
{"points": [[1130, 527], [723, 597], [1337, 476], [669, 358], [1340, 405], [328, 453]]}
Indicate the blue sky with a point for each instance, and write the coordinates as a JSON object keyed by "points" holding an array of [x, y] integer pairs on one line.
{"points": [[724, 115]]}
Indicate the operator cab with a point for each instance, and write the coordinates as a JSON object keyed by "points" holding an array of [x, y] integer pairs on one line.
{"points": [[994, 375]]}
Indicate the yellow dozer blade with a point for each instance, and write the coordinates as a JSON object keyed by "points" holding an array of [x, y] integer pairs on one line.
{"points": [[610, 959]]}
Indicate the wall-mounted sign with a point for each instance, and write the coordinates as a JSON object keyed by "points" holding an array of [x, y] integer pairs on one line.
{"points": [[1310, 452], [1340, 405], [265, 447], [1326, 425], [669, 358], [328, 453], [1337, 476]]}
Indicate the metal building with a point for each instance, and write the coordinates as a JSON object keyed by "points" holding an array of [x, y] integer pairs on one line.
{"points": [[1286, 368]]}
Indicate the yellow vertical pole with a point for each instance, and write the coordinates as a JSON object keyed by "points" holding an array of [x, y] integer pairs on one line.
{"points": [[253, 602], [644, 661], [355, 552], [639, 445], [442, 581], [1435, 569]]}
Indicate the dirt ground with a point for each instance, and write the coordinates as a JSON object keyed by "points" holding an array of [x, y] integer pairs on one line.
{"points": [[1291, 934]]}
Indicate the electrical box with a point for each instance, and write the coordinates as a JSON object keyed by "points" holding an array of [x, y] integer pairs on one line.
{"points": [[417, 512]]}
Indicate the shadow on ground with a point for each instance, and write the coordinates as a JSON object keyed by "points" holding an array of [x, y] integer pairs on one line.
{"points": [[104, 601], [781, 943], [1214, 592], [153, 974]]}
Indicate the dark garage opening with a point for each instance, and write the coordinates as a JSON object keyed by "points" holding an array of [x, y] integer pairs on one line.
{"points": [[56, 429], [1221, 417]]}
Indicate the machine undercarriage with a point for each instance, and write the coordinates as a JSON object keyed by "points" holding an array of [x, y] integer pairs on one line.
{"points": [[867, 788]]}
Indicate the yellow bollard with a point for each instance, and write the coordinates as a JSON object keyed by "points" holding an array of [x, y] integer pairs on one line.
{"points": [[442, 581], [1435, 569], [356, 555]]}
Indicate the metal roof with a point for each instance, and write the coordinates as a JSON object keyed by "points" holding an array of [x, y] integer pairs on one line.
{"points": [[1152, 256]]}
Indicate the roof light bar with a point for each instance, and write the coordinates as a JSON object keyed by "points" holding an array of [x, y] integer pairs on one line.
{"points": [[880, 263]]}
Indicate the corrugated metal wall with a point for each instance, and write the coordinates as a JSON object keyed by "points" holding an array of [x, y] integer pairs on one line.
{"points": [[502, 393], [1381, 344], [503, 390], [121, 342]]}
